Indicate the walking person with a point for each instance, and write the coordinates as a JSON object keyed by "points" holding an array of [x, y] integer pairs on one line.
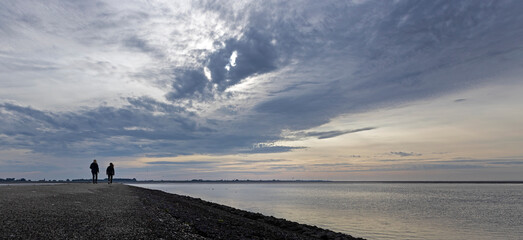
{"points": [[110, 173], [94, 170]]}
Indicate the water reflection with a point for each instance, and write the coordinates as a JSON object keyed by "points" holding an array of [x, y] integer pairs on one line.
{"points": [[378, 211]]}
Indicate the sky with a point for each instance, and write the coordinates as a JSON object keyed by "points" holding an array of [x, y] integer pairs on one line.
{"points": [[331, 90]]}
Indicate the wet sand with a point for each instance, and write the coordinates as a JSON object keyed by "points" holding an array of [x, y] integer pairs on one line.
{"points": [[103, 211]]}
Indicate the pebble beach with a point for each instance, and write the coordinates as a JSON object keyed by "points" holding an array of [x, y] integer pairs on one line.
{"points": [[117, 211]]}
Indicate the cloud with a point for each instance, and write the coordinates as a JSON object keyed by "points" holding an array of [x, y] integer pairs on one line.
{"points": [[300, 135], [253, 54], [405, 154], [106, 130], [129, 79], [190, 84], [422, 167], [333, 165], [288, 168], [161, 155], [13, 168], [271, 149], [331, 134], [409, 55], [261, 161], [135, 43], [508, 161], [180, 163]]}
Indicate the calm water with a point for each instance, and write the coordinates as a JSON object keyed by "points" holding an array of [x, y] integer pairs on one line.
{"points": [[376, 210]]}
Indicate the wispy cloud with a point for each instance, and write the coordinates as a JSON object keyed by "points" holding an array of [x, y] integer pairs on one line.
{"points": [[179, 163], [406, 154], [331, 134], [261, 161], [271, 149]]}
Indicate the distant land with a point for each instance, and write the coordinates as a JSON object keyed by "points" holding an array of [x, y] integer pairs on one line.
{"points": [[134, 180], [23, 180]]}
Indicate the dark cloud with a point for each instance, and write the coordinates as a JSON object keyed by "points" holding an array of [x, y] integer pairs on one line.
{"points": [[300, 135], [253, 54], [331, 134], [189, 84], [135, 129], [106, 130], [271, 149], [152, 105], [20, 167], [402, 55]]}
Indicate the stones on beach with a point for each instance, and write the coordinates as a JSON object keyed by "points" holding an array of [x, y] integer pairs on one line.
{"points": [[87, 211]]}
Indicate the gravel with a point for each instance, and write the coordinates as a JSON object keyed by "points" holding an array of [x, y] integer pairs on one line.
{"points": [[117, 211]]}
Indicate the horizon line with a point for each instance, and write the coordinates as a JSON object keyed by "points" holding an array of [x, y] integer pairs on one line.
{"points": [[21, 180]]}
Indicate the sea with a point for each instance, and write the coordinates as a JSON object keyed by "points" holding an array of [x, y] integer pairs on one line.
{"points": [[377, 210]]}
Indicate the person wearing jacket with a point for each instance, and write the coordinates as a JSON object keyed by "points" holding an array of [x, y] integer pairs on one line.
{"points": [[94, 170], [110, 173]]}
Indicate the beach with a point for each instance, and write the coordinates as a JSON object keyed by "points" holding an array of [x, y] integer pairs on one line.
{"points": [[117, 211]]}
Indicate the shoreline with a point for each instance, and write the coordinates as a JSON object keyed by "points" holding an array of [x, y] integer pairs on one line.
{"points": [[320, 182], [82, 210], [2, 183]]}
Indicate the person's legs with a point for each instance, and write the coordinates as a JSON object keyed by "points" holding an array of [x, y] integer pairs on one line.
{"points": [[96, 178], [111, 179], [93, 176]]}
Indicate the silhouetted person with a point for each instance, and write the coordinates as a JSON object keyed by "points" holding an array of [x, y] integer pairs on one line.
{"points": [[110, 173], [94, 171]]}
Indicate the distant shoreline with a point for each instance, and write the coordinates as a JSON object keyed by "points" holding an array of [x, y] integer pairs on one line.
{"points": [[326, 181], [125, 180]]}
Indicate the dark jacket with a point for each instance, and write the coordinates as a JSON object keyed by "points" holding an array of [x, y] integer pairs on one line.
{"points": [[110, 171], [94, 168]]}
